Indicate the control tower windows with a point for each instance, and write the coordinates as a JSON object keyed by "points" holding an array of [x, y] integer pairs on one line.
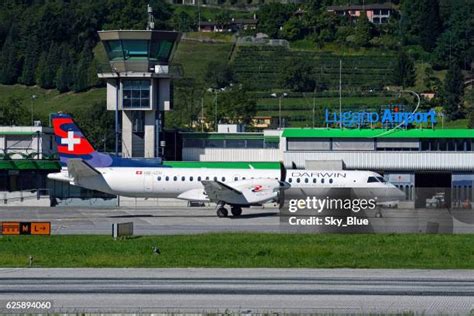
{"points": [[136, 94], [161, 50], [135, 49]]}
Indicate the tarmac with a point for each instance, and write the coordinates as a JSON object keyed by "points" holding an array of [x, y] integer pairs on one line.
{"points": [[169, 219], [243, 291]]}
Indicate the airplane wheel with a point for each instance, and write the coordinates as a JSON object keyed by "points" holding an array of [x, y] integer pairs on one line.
{"points": [[222, 212], [236, 211]]}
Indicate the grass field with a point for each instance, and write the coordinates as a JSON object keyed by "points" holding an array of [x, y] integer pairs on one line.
{"points": [[194, 56], [252, 250], [50, 101]]}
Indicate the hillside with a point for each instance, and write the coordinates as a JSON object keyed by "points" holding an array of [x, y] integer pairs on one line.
{"points": [[257, 66]]}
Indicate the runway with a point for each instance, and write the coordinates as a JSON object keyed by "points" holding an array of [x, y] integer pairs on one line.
{"points": [[162, 220], [242, 290]]}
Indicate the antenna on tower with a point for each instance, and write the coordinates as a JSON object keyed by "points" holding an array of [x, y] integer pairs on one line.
{"points": [[150, 25]]}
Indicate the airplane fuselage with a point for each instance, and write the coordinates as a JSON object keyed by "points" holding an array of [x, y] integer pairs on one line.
{"points": [[185, 183]]}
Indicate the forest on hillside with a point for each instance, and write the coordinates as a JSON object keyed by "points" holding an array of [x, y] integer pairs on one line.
{"points": [[52, 43]]}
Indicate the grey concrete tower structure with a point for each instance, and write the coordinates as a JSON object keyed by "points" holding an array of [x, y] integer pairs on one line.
{"points": [[139, 86]]}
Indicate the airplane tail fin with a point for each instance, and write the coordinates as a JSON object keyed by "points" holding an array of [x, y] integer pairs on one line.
{"points": [[72, 143]]}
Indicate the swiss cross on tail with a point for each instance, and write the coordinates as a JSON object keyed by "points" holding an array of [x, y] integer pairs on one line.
{"points": [[69, 138], [70, 141]]}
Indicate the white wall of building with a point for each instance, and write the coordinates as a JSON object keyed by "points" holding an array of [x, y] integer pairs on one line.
{"points": [[389, 160], [228, 154]]}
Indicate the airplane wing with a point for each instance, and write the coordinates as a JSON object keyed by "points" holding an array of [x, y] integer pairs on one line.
{"points": [[218, 191], [79, 169], [248, 192]]}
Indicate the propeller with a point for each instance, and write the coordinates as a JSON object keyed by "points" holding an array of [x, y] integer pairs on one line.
{"points": [[281, 192]]}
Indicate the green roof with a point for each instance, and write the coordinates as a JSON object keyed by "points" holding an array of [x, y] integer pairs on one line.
{"points": [[222, 165], [376, 133], [29, 164]]}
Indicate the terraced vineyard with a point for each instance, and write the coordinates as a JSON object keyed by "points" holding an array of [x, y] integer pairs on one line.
{"points": [[260, 67]]}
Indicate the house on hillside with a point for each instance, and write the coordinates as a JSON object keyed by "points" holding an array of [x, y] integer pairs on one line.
{"points": [[234, 25], [377, 13]]}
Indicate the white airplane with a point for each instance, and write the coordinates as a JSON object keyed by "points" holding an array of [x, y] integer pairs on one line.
{"points": [[85, 167]]}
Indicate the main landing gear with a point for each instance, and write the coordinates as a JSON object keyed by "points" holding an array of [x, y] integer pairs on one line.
{"points": [[222, 211], [236, 210]]}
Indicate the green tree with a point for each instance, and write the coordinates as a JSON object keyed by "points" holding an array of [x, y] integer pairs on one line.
{"points": [[186, 112], [48, 66], [81, 74], [219, 74], [235, 105], [271, 17], [292, 29], [10, 66], [470, 122], [28, 76], [456, 43], [64, 75], [12, 112], [403, 72], [453, 92], [98, 124], [421, 22], [298, 75], [363, 31], [183, 22], [430, 81], [469, 100]]}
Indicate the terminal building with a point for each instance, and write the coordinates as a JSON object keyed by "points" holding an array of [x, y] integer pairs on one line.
{"points": [[27, 155], [427, 164]]}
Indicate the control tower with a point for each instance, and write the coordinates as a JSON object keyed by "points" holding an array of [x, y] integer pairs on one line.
{"points": [[139, 85]]}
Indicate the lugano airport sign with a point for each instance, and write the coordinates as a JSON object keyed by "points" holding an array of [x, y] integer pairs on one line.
{"points": [[388, 116]]}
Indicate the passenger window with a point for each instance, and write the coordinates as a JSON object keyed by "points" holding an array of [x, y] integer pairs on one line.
{"points": [[306, 180], [315, 180], [207, 178], [330, 180], [190, 178], [167, 178], [223, 179], [199, 178], [183, 178], [322, 181], [175, 178], [159, 178], [236, 179], [290, 180], [243, 178], [215, 178], [298, 180]]}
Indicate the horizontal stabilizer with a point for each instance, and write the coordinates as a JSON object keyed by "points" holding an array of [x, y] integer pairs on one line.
{"points": [[78, 168]]}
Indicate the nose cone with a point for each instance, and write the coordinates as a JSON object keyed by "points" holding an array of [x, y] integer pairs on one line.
{"points": [[393, 194]]}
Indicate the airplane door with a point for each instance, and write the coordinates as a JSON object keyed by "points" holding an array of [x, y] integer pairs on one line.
{"points": [[148, 183]]}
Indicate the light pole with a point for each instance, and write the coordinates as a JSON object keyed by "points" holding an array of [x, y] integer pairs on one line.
{"points": [[212, 90], [33, 98], [281, 96]]}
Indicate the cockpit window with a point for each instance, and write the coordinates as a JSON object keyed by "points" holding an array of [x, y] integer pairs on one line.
{"points": [[372, 180], [376, 179]]}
